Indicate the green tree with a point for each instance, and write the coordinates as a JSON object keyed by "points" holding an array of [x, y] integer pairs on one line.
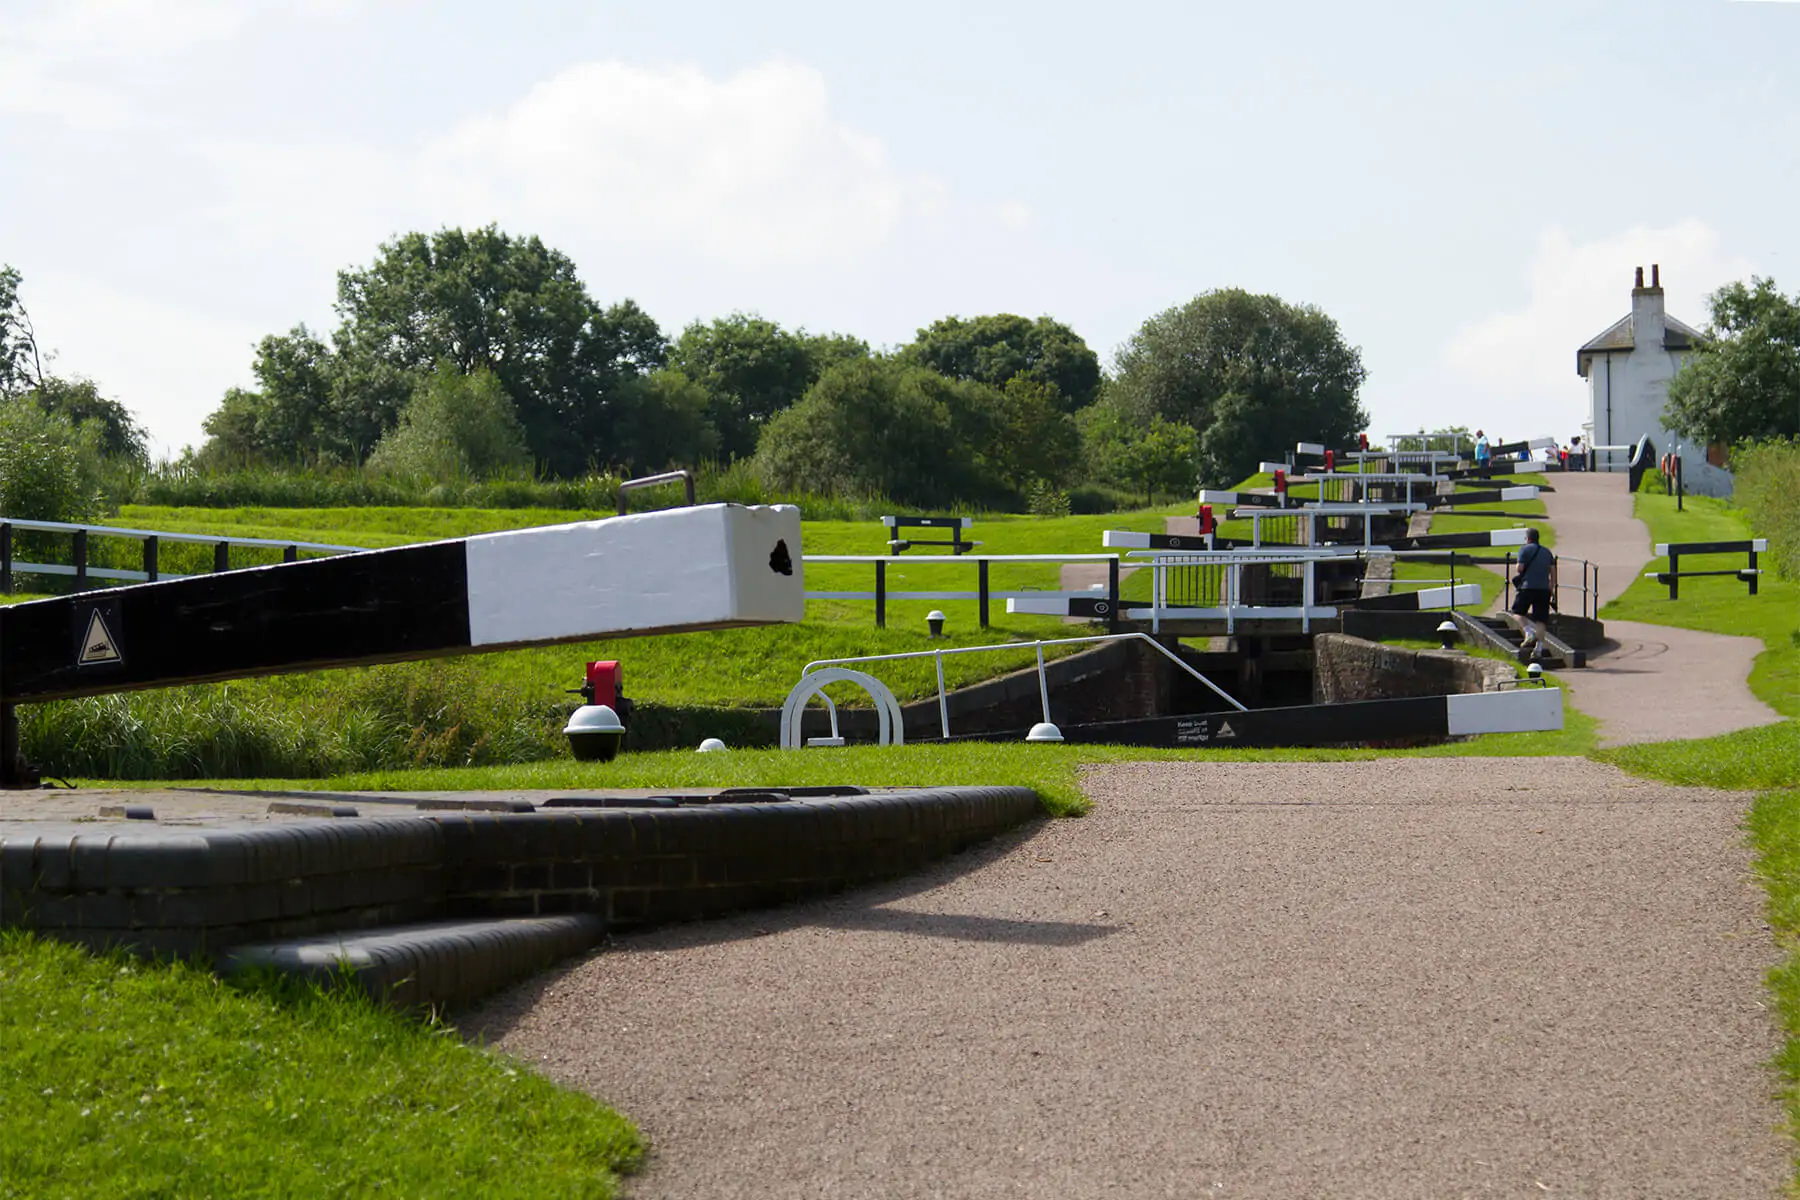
{"points": [[1122, 449], [21, 366], [456, 427], [1744, 380], [50, 469], [995, 349], [1250, 374], [1020, 434], [751, 369], [873, 427], [664, 422], [514, 306], [118, 434]]}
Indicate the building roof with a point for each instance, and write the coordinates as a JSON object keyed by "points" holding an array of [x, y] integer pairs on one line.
{"points": [[1618, 337]]}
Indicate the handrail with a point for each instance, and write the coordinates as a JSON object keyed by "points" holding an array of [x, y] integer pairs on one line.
{"points": [[959, 559], [198, 538], [1039, 645], [685, 475]]}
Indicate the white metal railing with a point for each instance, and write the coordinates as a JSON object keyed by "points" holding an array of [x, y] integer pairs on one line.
{"points": [[1043, 681], [982, 594], [150, 539]]}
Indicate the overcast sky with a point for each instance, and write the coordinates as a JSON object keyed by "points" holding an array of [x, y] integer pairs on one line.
{"points": [[1464, 188]]}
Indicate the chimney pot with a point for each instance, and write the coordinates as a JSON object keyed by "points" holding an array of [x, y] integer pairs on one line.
{"points": [[1640, 278], [1655, 275]]}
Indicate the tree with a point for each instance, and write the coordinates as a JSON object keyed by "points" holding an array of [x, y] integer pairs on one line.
{"points": [[21, 366], [1249, 374], [663, 423], [873, 427], [79, 401], [50, 469], [1019, 433], [749, 368], [514, 306], [1744, 379], [752, 369], [1151, 456], [456, 427], [995, 349]]}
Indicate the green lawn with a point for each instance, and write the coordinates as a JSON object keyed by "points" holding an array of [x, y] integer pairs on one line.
{"points": [[120, 1078]]}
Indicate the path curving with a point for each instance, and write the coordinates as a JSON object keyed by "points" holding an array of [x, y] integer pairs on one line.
{"points": [[1649, 683], [1407, 977]]}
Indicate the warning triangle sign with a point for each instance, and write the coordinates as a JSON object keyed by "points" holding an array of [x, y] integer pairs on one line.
{"points": [[1225, 729], [98, 646]]}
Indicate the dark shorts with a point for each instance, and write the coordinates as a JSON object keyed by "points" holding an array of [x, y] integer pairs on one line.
{"points": [[1533, 603]]}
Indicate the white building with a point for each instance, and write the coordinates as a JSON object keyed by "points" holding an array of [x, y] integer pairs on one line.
{"points": [[1628, 368]]}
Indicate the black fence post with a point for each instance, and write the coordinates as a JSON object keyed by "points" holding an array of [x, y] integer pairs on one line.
{"points": [[1674, 573], [1506, 583], [222, 556], [981, 571], [290, 554], [6, 557], [880, 594], [1112, 595], [81, 564], [1753, 575], [13, 771], [150, 545]]}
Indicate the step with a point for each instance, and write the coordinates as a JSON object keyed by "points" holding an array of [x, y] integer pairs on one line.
{"points": [[429, 963]]}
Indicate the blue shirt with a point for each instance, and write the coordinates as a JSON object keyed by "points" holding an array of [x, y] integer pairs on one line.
{"points": [[1534, 566]]}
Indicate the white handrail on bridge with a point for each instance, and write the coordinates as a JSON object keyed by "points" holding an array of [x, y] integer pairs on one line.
{"points": [[1043, 682]]}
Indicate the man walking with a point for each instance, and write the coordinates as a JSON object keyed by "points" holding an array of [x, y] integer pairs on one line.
{"points": [[1484, 454], [1534, 586]]}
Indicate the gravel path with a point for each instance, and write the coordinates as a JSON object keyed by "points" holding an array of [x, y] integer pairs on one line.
{"points": [[1474, 977], [1650, 683]]}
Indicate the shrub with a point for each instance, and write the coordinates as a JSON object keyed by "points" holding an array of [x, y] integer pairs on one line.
{"points": [[455, 427], [1768, 490], [49, 469]]}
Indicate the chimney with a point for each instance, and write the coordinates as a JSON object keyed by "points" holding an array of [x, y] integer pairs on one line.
{"points": [[1647, 310]]}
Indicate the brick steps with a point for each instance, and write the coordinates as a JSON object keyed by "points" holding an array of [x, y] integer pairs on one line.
{"points": [[428, 963]]}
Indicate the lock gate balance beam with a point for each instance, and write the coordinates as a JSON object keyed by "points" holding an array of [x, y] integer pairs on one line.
{"points": [[678, 570]]}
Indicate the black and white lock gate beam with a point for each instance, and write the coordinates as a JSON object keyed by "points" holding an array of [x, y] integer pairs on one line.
{"points": [[716, 566], [1516, 710]]}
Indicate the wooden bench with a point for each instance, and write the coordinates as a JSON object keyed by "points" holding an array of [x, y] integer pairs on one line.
{"points": [[957, 543], [1674, 550]]}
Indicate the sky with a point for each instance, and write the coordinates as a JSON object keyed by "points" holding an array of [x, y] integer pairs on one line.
{"points": [[1465, 189]]}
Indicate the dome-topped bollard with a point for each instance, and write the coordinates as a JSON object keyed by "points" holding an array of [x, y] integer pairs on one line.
{"points": [[594, 733]]}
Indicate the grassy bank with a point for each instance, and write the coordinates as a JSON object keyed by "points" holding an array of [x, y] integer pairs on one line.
{"points": [[1775, 834], [126, 1079]]}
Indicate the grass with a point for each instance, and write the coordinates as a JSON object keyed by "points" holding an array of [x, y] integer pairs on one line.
{"points": [[121, 1078], [1775, 835]]}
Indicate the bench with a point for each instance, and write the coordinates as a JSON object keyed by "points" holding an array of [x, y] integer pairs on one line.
{"points": [[1674, 550], [957, 543]]}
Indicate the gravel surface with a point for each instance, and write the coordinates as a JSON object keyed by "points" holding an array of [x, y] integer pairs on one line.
{"points": [[1473, 977]]}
